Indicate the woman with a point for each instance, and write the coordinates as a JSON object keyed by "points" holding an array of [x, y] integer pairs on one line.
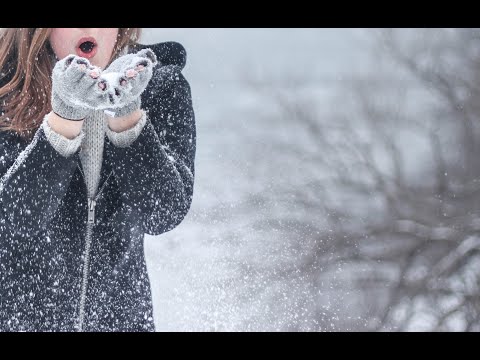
{"points": [[94, 153]]}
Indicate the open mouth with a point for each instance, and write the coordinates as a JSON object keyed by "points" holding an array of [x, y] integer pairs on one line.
{"points": [[86, 47]]}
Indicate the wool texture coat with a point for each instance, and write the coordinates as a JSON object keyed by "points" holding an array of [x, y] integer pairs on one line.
{"points": [[70, 263]]}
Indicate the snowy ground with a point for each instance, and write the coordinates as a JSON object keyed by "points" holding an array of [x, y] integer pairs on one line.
{"points": [[195, 268]]}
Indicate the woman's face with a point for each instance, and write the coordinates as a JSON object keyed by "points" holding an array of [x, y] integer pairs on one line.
{"points": [[94, 44]]}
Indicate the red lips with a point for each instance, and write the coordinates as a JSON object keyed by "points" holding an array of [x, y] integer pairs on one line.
{"points": [[86, 47]]}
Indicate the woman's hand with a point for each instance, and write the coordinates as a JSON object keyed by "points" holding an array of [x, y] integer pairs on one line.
{"points": [[126, 78], [76, 88]]}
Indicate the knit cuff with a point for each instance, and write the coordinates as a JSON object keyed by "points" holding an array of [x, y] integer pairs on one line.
{"points": [[72, 113], [66, 147], [128, 109], [126, 138]]}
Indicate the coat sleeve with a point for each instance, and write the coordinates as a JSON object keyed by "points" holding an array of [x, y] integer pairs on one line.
{"points": [[34, 178], [155, 174]]}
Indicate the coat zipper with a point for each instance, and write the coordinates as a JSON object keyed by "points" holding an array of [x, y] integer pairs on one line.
{"points": [[92, 202]]}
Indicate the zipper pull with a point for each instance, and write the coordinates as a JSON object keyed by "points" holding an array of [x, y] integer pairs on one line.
{"points": [[91, 210]]}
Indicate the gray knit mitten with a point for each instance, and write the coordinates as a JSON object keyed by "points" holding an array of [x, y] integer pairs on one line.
{"points": [[126, 78], [76, 88]]}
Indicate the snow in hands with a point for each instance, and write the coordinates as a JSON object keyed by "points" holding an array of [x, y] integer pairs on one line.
{"points": [[78, 86]]}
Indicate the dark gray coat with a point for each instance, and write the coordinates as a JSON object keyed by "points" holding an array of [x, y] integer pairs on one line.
{"points": [[144, 188]]}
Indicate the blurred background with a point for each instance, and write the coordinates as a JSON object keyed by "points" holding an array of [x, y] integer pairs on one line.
{"points": [[337, 183]]}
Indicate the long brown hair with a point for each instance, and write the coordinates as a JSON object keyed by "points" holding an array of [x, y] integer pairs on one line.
{"points": [[26, 63]]}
